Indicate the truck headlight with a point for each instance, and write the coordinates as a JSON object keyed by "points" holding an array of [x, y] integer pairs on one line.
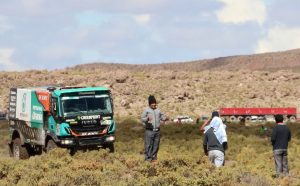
{"points": [[110, 139], [106, 122], [67, 141]]}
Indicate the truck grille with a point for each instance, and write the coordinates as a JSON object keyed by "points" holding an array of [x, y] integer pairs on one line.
{"points": [[80, 128], [90, 141]]}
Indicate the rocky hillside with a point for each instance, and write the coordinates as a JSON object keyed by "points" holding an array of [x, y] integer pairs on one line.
{"points": [[267, 61], [192, 88]]}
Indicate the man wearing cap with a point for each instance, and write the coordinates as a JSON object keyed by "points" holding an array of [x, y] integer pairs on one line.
{"points": [[151, 119]]}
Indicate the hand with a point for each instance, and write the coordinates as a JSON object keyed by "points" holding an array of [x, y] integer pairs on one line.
{"points": [[207, 121], [149, 118], [203, 125]]}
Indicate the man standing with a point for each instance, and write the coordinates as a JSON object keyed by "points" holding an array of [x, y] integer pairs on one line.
{"points": [[281, 135], [215, 140], [151, 119]]}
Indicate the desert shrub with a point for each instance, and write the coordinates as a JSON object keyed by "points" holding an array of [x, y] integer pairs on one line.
{"points": [[249, 161]]}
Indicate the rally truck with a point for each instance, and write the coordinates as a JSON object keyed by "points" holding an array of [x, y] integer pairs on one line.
{"points": [[44, 118]]}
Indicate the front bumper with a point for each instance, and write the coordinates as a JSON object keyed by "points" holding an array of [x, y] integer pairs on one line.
{"points": [[86, 141]]}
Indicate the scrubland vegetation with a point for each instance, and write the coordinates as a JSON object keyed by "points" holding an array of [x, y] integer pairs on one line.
{"points": [[249, 160], [178, 92], [264, 80]]}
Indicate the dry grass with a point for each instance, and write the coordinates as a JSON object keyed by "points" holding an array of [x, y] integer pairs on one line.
{"points": [[249, 161]]}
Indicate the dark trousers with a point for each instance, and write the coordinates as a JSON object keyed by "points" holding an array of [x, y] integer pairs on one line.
{"points": [[152, 139], [281, 162]]}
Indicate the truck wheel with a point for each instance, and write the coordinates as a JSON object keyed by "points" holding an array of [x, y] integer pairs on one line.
{"points": [[248, 118], [233, 119], [240, 118], [73, 150], [223, 119], [292, 119], [18, 151], [50, 145], [111, 147]]}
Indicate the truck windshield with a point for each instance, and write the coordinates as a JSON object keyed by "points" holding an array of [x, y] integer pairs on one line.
{"points": [[86, 104]]}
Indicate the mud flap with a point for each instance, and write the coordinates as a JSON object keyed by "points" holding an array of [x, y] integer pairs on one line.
{"points": [[10, 149]]}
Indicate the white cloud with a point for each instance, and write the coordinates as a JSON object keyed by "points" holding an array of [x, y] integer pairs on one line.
{"points": [[240, 11], [279, 38], [4, 25], [6, 62], [142, 19], [33, 7]]}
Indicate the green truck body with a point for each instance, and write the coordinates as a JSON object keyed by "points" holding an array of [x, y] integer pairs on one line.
{"points": [[72, 117]]}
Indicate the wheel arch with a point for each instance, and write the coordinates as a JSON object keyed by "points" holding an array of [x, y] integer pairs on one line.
{"points": [[51, 136], [17, 134]]}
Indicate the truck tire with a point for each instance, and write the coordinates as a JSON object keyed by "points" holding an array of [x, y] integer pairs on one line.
{"points": [[241, 118], [73, 150], [19, 151], [292, 119], [232, 119], [248, 118], [285, 118], [50, 145], [111, 147], [223, 119]]}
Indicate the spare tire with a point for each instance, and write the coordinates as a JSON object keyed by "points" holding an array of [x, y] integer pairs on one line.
{"points": [[285, 118], [223, 119], [232, 118], [241, 118], [292, 119], [248, 118]]}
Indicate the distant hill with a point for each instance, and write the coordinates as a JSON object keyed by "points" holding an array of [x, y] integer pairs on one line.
{"points": [[190, 88], [267, 61]]}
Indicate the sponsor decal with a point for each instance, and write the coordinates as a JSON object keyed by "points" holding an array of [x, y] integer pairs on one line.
{"points": [[88, 120], [37, 116], [89, 133], [44, 99], [88, 117], [24, 102], [25, 115]]}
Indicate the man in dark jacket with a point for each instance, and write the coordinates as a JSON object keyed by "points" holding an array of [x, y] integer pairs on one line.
{"points": [[281, 135], [151, 119]]}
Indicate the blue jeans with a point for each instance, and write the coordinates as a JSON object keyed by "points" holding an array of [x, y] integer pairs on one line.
{"points": [[281, 162]]}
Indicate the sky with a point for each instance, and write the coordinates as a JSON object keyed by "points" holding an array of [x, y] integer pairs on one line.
{"points": [[49, 34]]}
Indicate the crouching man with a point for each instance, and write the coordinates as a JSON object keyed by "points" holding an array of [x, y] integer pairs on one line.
{"points": [[215, 140]]}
